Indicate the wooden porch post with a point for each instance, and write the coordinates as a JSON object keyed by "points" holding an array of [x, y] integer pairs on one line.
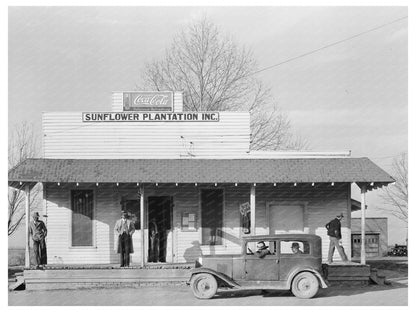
{"points": [[27, 219], [363, 191], [143, 260], [253, 209]]}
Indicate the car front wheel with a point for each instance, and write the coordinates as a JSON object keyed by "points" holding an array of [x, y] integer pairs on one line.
{"points": [[305, 285], [204, 286]]}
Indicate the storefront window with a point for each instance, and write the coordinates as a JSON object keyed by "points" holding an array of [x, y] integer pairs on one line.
{"points": [[82, 204], [212, 216]]}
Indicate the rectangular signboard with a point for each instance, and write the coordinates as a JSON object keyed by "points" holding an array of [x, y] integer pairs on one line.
{"points": [[148, 101], [150, 116]]}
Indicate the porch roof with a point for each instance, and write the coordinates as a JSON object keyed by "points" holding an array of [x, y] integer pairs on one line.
{"points": [[305, 170]]}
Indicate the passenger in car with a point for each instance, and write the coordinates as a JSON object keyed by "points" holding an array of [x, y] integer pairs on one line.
{"points": [[296, 248]]}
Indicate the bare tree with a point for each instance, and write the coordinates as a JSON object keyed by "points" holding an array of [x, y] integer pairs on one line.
{"points": [[396, 194], [22, 145], [216, 74]]}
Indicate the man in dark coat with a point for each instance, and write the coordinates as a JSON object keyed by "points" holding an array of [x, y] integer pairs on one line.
{"points": [[262, 250], [125, 229], [334, 233], [38, 231]]}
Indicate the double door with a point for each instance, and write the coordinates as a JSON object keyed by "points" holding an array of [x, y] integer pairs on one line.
{"points": [[157, 230]]}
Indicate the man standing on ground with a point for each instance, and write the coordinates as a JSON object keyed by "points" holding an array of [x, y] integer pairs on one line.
{"points": [[125, 229], [334, 233], [38, 232]]}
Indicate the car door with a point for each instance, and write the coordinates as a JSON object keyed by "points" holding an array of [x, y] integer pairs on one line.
{"points": [[291, 258], [261, 269]]}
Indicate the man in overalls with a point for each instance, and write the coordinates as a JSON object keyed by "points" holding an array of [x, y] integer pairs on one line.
{"points": [[38, 232]]}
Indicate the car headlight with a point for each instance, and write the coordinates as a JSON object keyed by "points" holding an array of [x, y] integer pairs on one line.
{"points": [[198, 263]]}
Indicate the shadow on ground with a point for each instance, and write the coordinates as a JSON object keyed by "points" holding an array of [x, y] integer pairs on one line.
{"points": [[323, 293]]}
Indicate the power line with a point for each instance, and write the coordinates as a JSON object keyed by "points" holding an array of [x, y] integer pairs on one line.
{"points": [[328, 45], [384, 157]]}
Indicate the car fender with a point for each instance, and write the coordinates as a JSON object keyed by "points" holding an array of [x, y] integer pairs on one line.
{"points": [[222, 277], [311, 270]]}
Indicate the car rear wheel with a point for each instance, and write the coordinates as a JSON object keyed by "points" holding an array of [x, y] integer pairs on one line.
{"points": [[204, 286], [305, 285]]}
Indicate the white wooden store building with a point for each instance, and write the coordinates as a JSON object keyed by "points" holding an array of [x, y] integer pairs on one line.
{"points": [[190, 175]]}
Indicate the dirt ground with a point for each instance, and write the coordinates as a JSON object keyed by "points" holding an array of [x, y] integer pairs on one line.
{"points": [[391, 268], [375, 295]]}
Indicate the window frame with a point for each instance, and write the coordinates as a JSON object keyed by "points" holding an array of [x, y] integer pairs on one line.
{"points": [[274, 255], [200, 213], [94, 203], [303, 254]]}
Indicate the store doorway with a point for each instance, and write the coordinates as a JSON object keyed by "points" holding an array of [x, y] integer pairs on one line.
{"points": [[160, 228]]}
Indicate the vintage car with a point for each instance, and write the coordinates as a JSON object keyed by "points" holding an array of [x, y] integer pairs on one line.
{"points": [[398, 251], [294, 261]]}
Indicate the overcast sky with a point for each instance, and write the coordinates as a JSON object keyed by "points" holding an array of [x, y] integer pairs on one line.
{"points": [[351, 96]]}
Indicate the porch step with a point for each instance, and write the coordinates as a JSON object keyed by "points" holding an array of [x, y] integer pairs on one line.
{"points": [[19, 283], [377, 278], [75, 278], [347, 274]]}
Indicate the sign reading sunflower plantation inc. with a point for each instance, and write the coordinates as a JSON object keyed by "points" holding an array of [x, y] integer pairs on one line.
{"points": [[150, 116], [148, 101]]}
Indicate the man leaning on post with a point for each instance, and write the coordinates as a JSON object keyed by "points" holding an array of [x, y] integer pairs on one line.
{"points": [[334, 233], [38, 232]]}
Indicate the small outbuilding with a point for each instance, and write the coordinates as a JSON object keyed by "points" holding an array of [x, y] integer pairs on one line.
{"points": [[376, 237]]}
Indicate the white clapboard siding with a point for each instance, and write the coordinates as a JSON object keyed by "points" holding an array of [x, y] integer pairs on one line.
{"points": [[66, 136], [177, 101], [117, 101], [106, 212], [322, 206]]}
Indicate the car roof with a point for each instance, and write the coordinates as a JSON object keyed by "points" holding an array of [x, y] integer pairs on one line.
{"points": [[290, 236]]}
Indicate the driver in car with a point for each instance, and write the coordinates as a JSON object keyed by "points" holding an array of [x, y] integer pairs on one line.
{"points": [[262, 250]]}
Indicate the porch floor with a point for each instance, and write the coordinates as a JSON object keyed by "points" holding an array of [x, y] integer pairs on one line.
{"points": [[156, 265], [342, 263], [347, 273], [112, 275], [89, 276]]}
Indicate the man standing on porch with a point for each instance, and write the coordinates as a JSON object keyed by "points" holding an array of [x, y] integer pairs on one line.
{"points": [[38, 232], [125, 229], [334, 233]]}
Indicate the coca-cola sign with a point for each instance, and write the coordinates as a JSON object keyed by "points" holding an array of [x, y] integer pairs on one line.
{"points": [[148, 101]]}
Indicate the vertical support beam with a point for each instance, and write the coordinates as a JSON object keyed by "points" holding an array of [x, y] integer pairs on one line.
{"points": [[363, 204], [253, 209], [143, 260], [27, 219]]}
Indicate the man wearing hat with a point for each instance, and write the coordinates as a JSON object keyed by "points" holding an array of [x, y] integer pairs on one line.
{"points": [[125, 229], [334, 233], [262, 250], [296, 249], [38, 232]]}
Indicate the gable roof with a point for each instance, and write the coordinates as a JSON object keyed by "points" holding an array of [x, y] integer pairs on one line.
{"points": [[306, 170]]}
